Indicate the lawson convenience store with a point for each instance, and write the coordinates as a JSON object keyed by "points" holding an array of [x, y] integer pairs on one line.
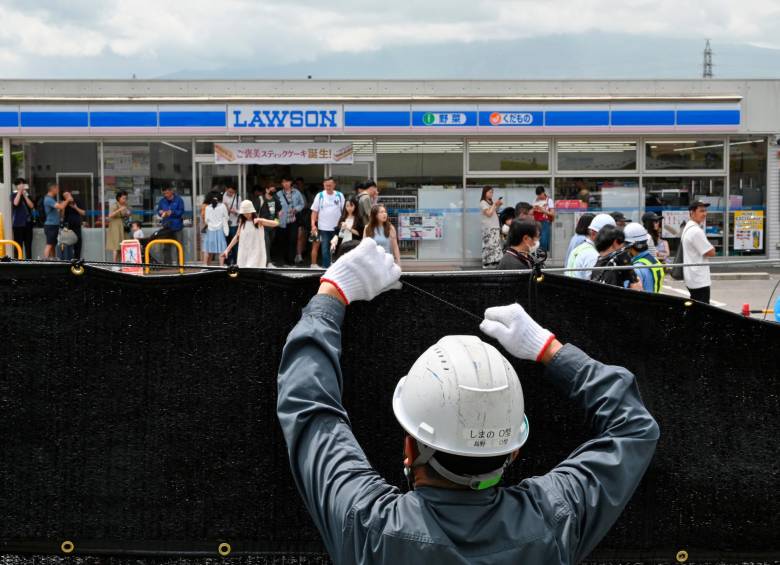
{"points": [[626, 146]]}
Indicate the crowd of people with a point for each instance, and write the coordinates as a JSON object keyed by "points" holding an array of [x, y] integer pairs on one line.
{"points": [[518, 238], [290, 227], [281, 227]]}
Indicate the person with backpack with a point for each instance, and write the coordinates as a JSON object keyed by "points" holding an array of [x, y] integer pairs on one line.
{"points": [[326, 212], [52, 212]]}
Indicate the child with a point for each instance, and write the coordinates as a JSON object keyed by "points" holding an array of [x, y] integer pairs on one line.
{"points": [[135, 227], [251, 252]]}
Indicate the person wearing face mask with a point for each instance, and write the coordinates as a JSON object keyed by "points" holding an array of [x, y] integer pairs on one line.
{"points": [[523, 241]]}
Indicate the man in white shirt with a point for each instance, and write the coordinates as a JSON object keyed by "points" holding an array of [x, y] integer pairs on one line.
{"points": [[585, 255], [696, 249], [325, 215], [232, 202]]}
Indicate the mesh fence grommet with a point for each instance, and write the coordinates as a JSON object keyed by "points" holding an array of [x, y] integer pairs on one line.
{"points": [[77, 267], [682, 556], [232, 271], [67, 546], [224, 549], [688, 303], [540, 278]]}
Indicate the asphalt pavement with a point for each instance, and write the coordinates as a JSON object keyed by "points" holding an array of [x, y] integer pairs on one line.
{"points": [[731, 294]]}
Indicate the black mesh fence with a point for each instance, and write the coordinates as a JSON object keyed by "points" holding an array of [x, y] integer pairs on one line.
{"points": [[137, 414]]}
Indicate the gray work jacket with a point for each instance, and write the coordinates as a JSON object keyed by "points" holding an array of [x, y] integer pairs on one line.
{"points": [[555, 518]]}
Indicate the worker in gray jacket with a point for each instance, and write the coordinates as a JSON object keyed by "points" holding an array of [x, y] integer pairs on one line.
{"points": [[462, 408]]}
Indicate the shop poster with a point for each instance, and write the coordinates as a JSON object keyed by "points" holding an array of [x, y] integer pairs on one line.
{"points": [[413, 226], [749, 230]]}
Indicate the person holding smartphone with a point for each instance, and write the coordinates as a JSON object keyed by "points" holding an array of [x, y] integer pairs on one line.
{"points": [[491, 231], [22, 208]]}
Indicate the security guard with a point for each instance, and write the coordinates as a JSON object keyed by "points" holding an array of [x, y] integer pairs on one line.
{"points": [[462, 407], [637, 240]]}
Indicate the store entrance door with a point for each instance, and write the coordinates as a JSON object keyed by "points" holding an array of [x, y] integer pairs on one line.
{"points": [[212, 176]]}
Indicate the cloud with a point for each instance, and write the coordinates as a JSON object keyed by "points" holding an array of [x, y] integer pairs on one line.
{"points": [[151, 37]]}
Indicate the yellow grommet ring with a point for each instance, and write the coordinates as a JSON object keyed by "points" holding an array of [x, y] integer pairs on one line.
{"points": [[540, 278], [688, 303], [77, 270], [682, 556], [233, 274], [224, 549], [67, 546]]}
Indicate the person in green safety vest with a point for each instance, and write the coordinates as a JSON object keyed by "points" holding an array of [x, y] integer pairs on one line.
{"points": [[637, 240]]}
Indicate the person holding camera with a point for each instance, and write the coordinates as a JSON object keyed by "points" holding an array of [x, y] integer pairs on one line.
{"points": [[22, 216], [491, 231]]}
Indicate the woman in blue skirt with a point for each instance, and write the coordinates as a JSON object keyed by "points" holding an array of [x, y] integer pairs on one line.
{"points": [[215, 216]]}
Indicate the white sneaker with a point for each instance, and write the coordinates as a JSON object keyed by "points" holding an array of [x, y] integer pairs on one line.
{"points": [[298, 259]]}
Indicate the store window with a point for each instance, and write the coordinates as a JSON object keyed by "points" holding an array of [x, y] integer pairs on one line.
{"points": [[683, 154], [508, 156], [596, 155], [425, 177], [747, 196], [512, 190], [575, 196], [670, 197], [143, 170]]}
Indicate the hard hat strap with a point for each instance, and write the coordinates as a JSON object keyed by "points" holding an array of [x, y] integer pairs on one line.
{"points": [[475, 482]]}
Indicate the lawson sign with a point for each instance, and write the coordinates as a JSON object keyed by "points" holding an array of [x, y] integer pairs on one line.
{"points": [[279, 117]]}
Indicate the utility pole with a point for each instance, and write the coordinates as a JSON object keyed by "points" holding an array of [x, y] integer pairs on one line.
{"points": [[707, 71]]}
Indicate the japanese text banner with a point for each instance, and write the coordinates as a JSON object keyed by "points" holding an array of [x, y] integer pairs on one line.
{"points": [[283, 153]]}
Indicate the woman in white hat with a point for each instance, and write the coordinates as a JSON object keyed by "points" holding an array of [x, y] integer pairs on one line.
{"points": [[251, 252]]}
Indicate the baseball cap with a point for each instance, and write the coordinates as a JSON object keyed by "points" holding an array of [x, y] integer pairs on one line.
{"points": [[618, 216], [698, 203], [600, 221], [635, 233], [651, 217]]}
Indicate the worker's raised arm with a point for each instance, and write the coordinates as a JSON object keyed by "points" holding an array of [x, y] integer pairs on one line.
{"points": [[592, 486], [328, 465]]}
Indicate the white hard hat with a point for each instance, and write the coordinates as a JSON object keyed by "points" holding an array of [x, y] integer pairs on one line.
{"points": [[464, 398], [601, 220], [635, 233]]}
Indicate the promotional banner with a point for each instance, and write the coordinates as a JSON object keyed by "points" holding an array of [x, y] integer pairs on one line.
{"points": [[283, 153], [749, 230]]}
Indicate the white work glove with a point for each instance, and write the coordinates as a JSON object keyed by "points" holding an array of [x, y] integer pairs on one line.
{"points": [[517, 331], [364, 272]]}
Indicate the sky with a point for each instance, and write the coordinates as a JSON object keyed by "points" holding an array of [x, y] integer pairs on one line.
{"points": [[386, 39]]}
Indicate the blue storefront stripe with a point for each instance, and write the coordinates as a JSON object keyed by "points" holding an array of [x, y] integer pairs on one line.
{"points": [[192, 119], [707, 117], [376, 119], [55, 119], [576, 118], [122, 119], [9, 119], [642, 117]]}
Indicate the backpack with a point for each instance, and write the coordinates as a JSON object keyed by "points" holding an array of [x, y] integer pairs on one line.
{"points": [[677, 273], [40, 208]]}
